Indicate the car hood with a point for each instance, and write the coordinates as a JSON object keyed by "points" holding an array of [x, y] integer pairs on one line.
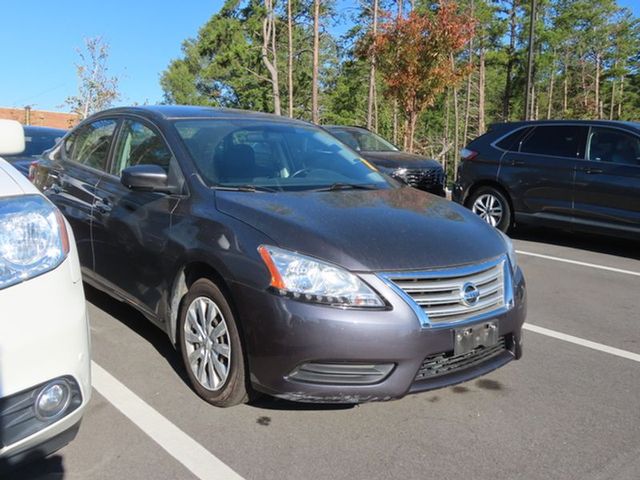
{"points": [[399, 160], [374, 230]]}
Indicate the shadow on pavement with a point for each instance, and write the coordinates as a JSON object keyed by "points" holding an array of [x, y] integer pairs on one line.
{"points": [[49, 468], [620, 247], [139, 324]]}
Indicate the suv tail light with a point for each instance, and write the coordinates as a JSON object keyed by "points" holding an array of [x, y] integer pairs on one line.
{"points": [[32, 171], [467, 154]]}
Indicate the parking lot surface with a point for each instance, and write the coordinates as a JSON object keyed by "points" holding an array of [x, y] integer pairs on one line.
{"points": [[567, 410]]}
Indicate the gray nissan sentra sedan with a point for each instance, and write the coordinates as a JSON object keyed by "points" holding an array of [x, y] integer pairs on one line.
{"points": [[279, 261]]}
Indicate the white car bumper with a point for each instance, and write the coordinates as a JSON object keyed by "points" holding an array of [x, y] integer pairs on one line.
{"points": [[44, 335]]}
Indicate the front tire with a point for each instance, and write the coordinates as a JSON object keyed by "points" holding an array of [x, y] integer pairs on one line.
{"points": [[492, 206], [210, 345]]}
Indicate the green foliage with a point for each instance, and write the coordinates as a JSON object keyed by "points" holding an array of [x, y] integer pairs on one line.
{"points": [[591, 48]]}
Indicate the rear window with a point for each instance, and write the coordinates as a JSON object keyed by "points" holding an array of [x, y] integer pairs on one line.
{"points": [[557, 141], [512, 141]]}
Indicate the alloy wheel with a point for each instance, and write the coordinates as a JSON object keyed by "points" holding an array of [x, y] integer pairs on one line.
{"points": [[489, 208], [207, 343]]}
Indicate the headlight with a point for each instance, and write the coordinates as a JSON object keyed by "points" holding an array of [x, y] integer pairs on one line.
{"points": [[33, 238], [511, 252], [307, 279]]}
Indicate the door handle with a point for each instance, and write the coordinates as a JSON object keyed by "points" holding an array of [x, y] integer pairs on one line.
{"points": [[103, 205], [591, 170]]}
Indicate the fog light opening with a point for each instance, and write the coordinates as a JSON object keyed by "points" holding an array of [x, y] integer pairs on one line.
{"points": [[53, 400]]}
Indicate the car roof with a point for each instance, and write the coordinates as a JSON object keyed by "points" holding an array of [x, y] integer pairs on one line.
{"points": [[175, 112], [503, 125]]}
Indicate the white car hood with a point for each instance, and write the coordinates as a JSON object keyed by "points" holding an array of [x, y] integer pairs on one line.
{"points": [[13, 182]]}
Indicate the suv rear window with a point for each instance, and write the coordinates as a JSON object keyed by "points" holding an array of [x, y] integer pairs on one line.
{"points": [[556, 140], [512, 141]]}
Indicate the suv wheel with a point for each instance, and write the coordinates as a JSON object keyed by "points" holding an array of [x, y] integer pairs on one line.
{"points": [[210, 345], [492, 206]]}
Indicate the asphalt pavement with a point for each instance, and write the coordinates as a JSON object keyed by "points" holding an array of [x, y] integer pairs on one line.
{"points": [[570, 409]]}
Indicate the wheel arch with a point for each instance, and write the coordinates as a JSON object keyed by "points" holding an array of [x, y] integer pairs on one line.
{"points": [[489, 183], [185, 277]]}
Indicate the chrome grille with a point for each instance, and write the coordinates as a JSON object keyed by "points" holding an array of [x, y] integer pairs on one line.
{"points": [[439, 293]]}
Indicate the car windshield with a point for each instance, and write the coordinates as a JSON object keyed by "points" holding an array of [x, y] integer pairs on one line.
{"points": [[363, 140], [274, 156]]}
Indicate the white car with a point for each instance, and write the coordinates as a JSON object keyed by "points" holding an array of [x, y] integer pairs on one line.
{"points": [[45, 379]]}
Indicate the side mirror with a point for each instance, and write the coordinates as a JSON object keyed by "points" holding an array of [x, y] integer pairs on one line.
{"points": [[149, 178], [11, 137]]}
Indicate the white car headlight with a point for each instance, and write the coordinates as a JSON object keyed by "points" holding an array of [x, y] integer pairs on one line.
{"points": [[307, 279], [33, 238], [511, 252]]}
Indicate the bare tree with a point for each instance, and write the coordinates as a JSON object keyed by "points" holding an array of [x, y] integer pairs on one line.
{"points": [[290, 58], [96, 89], [269, 50], [372, 71], [315, 112]]}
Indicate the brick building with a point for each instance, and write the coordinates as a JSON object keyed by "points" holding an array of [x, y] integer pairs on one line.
{"points": [[43, 118]]}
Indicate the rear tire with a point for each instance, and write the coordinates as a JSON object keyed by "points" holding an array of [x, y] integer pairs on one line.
{"points": [[491, 204], [210, 345]]}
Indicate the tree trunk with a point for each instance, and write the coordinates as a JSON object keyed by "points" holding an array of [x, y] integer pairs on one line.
{"points": [[372, 71], [315, 112], [467, 106], [456, 125], [621, 97], [446, 128], [506, 99], [481, 91], [613, 92], [290, 58], [597, 86], [269, 38], [395, 121], [551, 80], [413, 117], [565, 87]]}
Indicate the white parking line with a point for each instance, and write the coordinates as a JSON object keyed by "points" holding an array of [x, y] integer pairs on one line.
{"points": [[202, 463], [583, 264], [582, 342]]}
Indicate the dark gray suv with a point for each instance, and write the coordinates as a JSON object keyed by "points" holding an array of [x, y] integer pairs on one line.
{"points": [[575, 174], [277, 260]]}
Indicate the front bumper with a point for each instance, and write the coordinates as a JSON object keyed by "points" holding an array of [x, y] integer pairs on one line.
{"points": [[283, 334], [44, 335]]}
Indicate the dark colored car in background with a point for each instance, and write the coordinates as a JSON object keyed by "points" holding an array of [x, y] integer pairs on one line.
{"points": [[37, 140], [415, 170], [277, 260], [582, 175]]}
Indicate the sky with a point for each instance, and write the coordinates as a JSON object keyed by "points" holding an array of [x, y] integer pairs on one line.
{"points": [[39, 39]]}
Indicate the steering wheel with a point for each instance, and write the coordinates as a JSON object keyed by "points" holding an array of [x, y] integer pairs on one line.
{"points": [[300, 172]]}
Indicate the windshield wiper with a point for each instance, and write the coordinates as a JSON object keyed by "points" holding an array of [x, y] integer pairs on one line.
{"points": [[347, 186], [246, 188]]}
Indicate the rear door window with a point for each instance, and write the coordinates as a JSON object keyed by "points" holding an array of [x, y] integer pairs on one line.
{"points": [[613, 146], [558, 141]]}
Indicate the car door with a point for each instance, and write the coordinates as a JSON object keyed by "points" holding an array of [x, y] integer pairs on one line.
{"points": [[72, 177], [131, 228], [539, 172], [607, 185]]}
